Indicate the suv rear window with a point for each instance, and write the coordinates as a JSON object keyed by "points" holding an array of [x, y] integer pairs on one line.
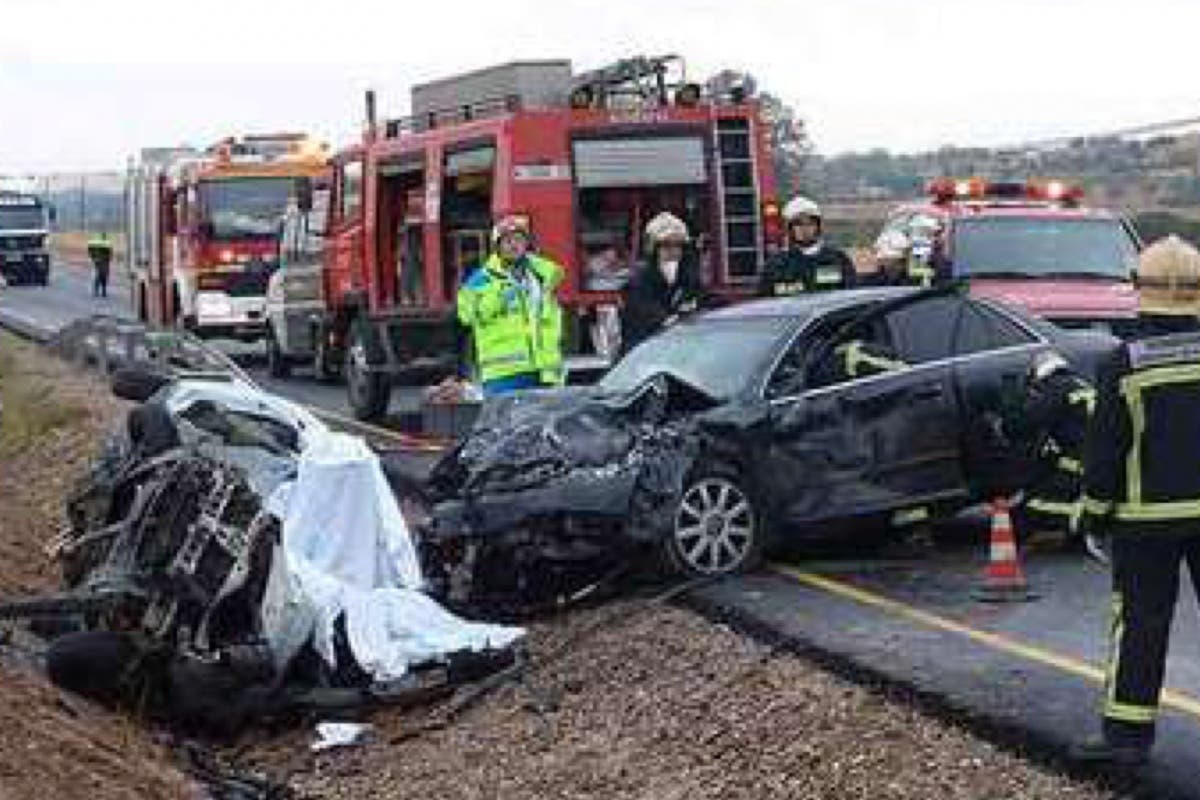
{"points": [[1043, 247]]}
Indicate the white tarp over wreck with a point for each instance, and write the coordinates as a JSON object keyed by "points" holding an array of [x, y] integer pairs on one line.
{"points": [[347, 550]]}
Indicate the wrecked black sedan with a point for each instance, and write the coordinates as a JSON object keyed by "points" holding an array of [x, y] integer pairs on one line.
{"points": [[741, 427]]}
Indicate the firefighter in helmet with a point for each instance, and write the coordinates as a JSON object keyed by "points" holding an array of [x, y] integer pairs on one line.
{"points": [[666, 286], [1142, 489], [808, 264], [1057, 409], [510, 309]]}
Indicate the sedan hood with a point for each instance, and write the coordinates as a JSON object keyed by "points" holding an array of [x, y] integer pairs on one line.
{"points": [[1062, 298]]}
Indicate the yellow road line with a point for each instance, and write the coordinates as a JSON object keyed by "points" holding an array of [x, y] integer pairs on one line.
{"points": [[1170, 698]]}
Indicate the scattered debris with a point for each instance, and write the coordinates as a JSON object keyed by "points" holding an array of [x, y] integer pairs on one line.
{"points": [[340, 734]]}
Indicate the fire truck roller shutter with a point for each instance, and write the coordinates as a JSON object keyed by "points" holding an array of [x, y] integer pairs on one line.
{"points": [[643, 161]]}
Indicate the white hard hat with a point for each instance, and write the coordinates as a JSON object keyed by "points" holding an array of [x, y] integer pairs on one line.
{"points": [[511, 223], [800, 206], [892, 245], [666, 227]]}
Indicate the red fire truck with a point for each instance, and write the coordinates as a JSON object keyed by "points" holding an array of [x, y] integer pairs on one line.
{"points": [[589, 158], [203, 229]]}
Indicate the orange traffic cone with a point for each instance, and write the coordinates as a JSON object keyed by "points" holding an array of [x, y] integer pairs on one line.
{"points": [[1003, 579]]}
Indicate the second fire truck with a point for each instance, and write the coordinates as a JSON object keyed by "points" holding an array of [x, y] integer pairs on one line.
{"points": [[588, 158], [203, 229]]}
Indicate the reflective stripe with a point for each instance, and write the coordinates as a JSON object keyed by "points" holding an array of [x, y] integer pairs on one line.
{"points": [[856, 357], [1157, 512], [1071, 465], [1085, 396], [1132, 393], [828, 276], [520, 357], [921, 273], [1124, 712], [910, 516], [1097, 508], [1115, 630], [1053, 507]]}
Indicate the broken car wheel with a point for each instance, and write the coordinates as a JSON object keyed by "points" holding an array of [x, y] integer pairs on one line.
{"points": [[717, 527]]}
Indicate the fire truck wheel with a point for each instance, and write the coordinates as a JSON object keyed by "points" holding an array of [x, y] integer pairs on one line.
{"points": [[277, 363], [369, 389]]}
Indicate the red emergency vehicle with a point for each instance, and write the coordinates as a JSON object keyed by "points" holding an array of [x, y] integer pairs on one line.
{"points": [[203, 228], [588, 158], [1029, 243]]}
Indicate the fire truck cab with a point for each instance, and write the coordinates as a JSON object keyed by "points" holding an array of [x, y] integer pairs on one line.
{"points": [[1031, 243], [587, 158], [203, 229]]}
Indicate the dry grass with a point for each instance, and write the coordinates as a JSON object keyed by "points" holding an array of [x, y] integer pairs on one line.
{"points": [[32, 407]]}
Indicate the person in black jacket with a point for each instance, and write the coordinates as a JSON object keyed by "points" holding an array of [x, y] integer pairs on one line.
{"points": [[1057, 411], [1142, 489], [665, 287], [808, 264]]}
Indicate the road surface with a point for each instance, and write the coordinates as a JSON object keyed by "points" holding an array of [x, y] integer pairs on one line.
{"points": [[1027, 673]]}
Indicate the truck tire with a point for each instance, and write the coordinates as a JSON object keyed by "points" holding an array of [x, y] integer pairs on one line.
{"points": [[278, 365], [718, 526], [368, 390]]}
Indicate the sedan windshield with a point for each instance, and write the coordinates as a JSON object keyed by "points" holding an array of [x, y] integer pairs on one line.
{"points": [[720, 358], [245, 208], [1043, 247]]}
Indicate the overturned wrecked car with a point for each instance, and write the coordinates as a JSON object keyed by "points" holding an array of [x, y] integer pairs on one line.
{"points": [[739, 429], [231, 558]]}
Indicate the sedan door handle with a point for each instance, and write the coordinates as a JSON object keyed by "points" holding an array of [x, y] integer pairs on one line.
{"points": [[928, 391]]}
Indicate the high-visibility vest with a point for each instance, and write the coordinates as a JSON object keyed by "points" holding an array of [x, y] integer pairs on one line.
{"points": [[514, 334]]}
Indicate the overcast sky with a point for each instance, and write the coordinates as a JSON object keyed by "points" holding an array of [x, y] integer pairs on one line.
{"points": [[84, 83]]}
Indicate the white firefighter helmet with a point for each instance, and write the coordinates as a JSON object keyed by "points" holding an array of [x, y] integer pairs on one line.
{"points": [[511, 223], [1168, 278], [666, 227], [892, 245], [800, 206]]}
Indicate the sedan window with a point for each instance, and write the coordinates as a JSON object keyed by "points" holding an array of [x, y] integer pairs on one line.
{"points": [[983, 328], [923, 331]]}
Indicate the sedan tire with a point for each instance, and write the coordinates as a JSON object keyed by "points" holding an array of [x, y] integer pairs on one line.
{"points": [[718, 525]]}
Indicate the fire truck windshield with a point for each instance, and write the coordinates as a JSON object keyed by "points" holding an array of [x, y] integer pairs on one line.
{"points": [[21, 218], [1043, 247], [244, 208]]}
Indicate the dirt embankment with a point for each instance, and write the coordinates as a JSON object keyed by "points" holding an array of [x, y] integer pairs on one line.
{"points": [[52, 745]]}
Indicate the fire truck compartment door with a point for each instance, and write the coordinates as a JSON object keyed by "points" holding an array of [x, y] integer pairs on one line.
{"points": [[645, 161]]}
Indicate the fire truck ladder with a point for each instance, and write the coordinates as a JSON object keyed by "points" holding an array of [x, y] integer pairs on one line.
{"points": [[738, 192]]}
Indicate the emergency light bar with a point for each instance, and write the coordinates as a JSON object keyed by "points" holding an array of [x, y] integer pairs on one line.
{"points": [[945, 190]]}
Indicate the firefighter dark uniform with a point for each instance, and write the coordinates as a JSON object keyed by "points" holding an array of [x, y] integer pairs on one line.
{"points": [[817, 268], [1142, 489], [649, 302], [664, 287], [1058, 410]]}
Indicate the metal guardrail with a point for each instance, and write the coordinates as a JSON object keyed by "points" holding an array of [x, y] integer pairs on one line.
{"points": [[109, 343]]}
